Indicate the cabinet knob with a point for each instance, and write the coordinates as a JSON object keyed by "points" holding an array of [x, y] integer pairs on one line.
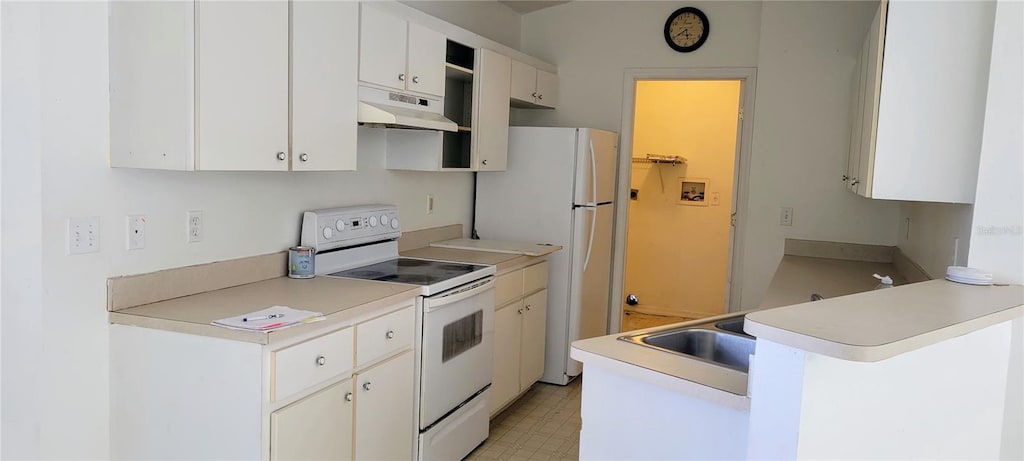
{"points": [[846, 178], [303, 156], [348, 396], [520, 311], [540, 96], [321, 360], [415, 79], [281, 156], [527, 307], [401, 77], [484, 161], [855, 182], [366, 386], [390, 334], [534, 94]]}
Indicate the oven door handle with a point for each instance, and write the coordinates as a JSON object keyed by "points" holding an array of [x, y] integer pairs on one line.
{"points": [[434, 303]]}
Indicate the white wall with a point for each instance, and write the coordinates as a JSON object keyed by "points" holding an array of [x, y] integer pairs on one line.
{"points": [[488, 18], [997, 241], [55, 331], [805, 53], [934, 228]]}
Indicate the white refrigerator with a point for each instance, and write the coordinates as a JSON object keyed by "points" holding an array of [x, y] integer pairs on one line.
{"points": [[558, 189]]}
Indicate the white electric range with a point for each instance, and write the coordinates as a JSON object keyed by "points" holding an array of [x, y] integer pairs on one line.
{"points": [[454, 320]]}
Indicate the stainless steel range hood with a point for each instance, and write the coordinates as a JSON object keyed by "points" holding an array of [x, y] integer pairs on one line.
{"points": [[392, 109]]}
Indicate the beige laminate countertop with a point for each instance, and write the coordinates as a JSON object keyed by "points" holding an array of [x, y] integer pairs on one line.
{"points": [[797, 277], [879, 324], [340, 300]]}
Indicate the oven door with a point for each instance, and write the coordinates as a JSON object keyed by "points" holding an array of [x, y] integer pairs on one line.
{"points": [[458, 331]]}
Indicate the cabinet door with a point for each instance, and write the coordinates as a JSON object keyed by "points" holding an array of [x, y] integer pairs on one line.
{"points": [[524, 82], [316, 427], [490, 110], [535, 318], [873, 46], [547, 89], [505, 371], [325, 59], [242, 85], [384, 413], [856, 119], [426, 60], [382, 42]]}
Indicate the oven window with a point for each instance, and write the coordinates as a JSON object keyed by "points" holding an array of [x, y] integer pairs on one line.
{"points": [[462, 334]]}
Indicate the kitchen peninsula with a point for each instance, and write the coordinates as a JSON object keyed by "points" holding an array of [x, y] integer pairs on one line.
{"points": [[869, 375]]}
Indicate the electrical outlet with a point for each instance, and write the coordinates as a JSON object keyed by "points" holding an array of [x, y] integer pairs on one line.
{"points": [[430, 203], [195, 226], [83, 235], [786, 216], [136, 232]]}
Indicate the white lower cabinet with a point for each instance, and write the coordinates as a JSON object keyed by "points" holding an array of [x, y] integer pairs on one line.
{"points": [[520, 326], [185, 396], [384, 407], [316, 427]]}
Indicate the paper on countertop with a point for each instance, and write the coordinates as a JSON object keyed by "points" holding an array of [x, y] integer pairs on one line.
{"points": [[286, 317]]}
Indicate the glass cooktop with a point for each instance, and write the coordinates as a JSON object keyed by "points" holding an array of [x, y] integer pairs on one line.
{"points": [[407, 270]]}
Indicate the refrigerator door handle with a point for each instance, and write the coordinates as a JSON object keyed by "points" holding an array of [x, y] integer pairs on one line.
{"points": [[590, 241], [593, 183]]}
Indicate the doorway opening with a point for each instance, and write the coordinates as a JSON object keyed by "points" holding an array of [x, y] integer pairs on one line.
{"points": [[683, 184]]}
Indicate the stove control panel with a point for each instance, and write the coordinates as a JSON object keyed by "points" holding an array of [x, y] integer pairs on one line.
{"points": [[332, 228]]}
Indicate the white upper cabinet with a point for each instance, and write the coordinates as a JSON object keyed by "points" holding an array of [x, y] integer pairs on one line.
{"points": [[532, 87], [324, 85], [400, 55], [426, 60], [207, 85], [242, 86], [922, 102], [490, 120]]}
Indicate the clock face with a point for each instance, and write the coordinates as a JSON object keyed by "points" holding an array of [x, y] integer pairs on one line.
{"points": [[686, 29]]}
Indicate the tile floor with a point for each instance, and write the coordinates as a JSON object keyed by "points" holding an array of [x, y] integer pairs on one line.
{"points": [[543, 425]]}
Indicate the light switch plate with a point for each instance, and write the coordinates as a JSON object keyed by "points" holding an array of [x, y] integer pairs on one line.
{"points": [[83, 235]]}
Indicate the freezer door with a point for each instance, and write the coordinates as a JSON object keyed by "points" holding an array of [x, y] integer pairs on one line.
{"points": [[596, 166], [591, 272]]}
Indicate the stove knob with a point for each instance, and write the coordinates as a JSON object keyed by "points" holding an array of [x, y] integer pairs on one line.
{"points": [[394, 223], [328, 232], [373, 221], [384, 220], [340, 225]]}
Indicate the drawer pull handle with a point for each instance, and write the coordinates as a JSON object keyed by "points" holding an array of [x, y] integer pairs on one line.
{"points": [[321, 360], [390, 334], [348, 396], [366, 386]]}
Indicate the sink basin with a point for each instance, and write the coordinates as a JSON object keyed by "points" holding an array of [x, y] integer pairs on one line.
{"points": [[721, 343]]}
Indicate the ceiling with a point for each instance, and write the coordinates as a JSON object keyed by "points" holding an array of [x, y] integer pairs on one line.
{"points": [[528, 6]]}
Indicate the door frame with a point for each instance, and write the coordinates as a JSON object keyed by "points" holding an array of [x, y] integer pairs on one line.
{"points": [[741, 174]]}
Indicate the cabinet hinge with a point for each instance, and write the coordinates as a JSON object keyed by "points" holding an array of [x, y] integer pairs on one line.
{"points": [[741, 113], [732, 220]]}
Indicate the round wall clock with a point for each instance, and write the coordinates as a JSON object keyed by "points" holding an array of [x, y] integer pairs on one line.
{"points": [[686, 29]]}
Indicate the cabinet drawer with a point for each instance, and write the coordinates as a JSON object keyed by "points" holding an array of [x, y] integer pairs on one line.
{"points": [[508, 287], [305, 364], [384, 335], [535, 277]]}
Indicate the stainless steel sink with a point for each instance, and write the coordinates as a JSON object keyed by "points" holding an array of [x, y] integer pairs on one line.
{"points": [[721, 342]]}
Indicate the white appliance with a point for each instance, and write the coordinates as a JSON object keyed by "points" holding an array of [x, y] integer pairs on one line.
{"points": [[454, 320], [393, 109], [558, 189]]}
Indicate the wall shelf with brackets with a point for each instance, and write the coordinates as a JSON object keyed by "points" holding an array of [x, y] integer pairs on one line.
{"points": [[655, 159]]}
